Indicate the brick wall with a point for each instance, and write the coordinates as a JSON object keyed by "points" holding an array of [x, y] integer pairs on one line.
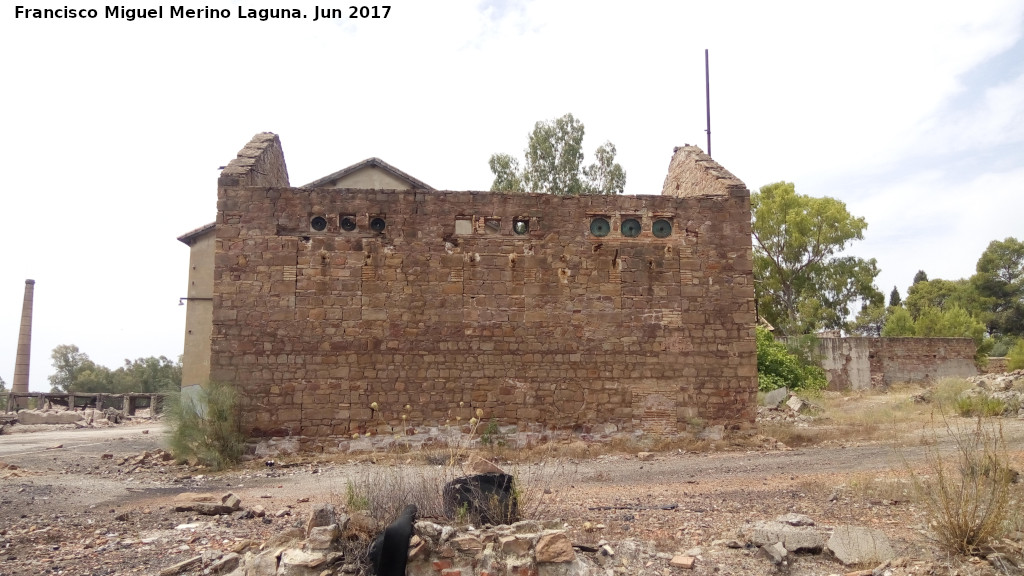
{"points": [[859, 363], [448, 309]]}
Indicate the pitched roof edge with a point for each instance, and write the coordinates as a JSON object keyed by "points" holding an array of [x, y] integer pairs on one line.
{"points": [[191, 235], [370, 162]]}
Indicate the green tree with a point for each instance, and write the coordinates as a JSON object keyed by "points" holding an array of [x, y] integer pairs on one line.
{"points": [[554, 163], [899, 324], [870, 320], [75, 372], [1015, 357], [950, 322], [920, 277], [802, 284], [1000, 280], [942, 294], [507, 175], [3, 394], [69, 364], [148, 375], [894, 297]]}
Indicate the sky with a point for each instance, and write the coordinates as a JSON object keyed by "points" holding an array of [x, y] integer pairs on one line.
{"points": [[911, 112]]}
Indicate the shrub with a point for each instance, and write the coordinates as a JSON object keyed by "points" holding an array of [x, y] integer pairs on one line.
{"points": [[1015, 357], [779, 365], [966, 494], [204, 426], [979, 405]]}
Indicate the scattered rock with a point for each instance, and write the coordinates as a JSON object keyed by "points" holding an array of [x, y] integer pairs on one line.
{"points": [[183, 566], [775, 552], [553, 548], [685, 562]]}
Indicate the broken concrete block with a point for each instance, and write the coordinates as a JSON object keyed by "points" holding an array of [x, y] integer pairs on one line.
{"points": [[792, 538], [775, 397], [858, 545], [796, 404]]}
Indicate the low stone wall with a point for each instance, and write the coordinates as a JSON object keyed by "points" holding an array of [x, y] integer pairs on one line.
{"points": [[861, 363], [996, 365]]}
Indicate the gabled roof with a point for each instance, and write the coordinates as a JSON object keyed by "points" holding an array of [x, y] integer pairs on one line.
{"points": [[415, 183], [189, 237]]}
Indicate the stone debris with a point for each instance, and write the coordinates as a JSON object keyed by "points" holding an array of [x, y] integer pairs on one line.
{"points": [[775, 397], [207, 504], [794, 538], [858, 545]]}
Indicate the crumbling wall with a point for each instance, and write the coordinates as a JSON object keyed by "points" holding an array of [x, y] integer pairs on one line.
{"points": [[326, 301], [860, 363]]}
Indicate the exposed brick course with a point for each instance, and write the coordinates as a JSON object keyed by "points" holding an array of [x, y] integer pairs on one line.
{"points": [[859, 363], [555, 326]]}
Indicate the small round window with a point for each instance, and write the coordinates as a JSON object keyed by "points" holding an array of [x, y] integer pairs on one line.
{"points": [[662, 228], [600, 227], [631, 228], [521, 227], [319, 223], [348, 223], [377, 224]]}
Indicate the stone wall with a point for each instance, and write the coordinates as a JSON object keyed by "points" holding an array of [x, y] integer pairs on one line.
{"points": [[997, 365], [326, 301], [860, 363]]}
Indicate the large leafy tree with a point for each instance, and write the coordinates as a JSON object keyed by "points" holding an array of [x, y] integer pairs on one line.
{"points": [[554, 163], [802, 282], [75, 372], [69, 365], [942, 294], [1000, 280]]}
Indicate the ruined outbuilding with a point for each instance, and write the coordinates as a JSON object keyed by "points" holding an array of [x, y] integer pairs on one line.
{"points": [[568, 312]]}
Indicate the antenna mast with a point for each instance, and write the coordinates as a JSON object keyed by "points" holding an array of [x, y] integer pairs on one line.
{"points": [[707, 96]]}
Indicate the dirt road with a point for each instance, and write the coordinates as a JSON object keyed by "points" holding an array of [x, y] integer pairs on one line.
{"points": [[93, 502]]}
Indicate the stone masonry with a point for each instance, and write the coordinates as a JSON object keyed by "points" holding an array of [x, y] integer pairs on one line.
{"points": [[327, 301], [860, 363]]}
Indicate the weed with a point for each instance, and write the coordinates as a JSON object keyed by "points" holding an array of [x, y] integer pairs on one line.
{"points": [[492, 436], [966, 494], [204, 427], [979, 405]]}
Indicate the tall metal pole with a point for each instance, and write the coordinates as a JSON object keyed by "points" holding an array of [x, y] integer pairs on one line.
{"points": [[21, 361], [707, 96]]}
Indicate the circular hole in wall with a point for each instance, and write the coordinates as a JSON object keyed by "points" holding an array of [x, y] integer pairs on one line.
{"points": [[662, 228], [377, 224], [318, 223], [521, 226], [631, 228], [348, 223], [600, 227]]}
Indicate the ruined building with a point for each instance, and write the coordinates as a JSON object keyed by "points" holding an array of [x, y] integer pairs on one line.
{"points": [[569, 312]]}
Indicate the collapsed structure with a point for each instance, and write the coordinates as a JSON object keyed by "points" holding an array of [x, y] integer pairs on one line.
{"points": [[569, 312]]}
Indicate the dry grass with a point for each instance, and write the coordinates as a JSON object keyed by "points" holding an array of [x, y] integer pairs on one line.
{"points": [[967, 492]]}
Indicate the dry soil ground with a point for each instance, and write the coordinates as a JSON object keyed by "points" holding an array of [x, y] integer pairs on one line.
{"points": [[87, 502]]}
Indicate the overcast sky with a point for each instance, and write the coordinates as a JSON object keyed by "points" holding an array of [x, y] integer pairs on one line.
{"points": [[910, 112]]}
